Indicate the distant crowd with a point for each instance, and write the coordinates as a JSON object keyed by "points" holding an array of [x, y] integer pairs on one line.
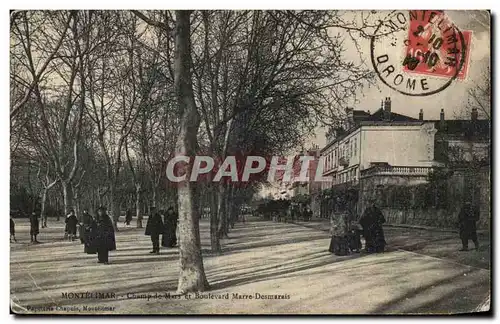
{"points": [[97, 234], [283, 210], [346, 229]]}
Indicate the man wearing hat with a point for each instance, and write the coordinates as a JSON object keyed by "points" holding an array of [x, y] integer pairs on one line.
{"points": [[35, 226], [71, 224], [467, 218], [154, 228]]}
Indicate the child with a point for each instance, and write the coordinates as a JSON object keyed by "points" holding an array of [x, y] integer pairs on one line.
{"points": [[354, 237]]}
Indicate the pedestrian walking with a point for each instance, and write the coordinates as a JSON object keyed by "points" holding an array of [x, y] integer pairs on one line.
{"points": [[307, 214], [90, 235], [86, 228], [105, 236], [71, 223], [154, 227], [128, 217], [371, 221], [169, 237], [467, 219], [34, 226]]}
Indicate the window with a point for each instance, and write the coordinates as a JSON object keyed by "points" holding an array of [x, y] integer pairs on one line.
{"points": [[355, 146]]}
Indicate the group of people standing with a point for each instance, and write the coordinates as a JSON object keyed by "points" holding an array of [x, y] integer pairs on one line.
{"points": [[346, 232], [298, 211], [97, 234], [162, 223]]}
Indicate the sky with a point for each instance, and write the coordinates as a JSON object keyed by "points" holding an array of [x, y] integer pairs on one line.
{"points": [[451, 99]]}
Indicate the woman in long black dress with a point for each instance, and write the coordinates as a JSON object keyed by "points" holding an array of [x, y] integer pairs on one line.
{"points": [[128, 217], [105, 236], [169, 238], [372, 221], [88, 228]]}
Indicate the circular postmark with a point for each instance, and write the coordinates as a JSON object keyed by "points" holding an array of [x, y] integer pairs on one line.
{"points": [[417, 52]]}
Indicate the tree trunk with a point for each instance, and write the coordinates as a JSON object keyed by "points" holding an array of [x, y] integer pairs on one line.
{"points": [[68, 197], [77, 203], [42, 212], [58, 203], [192, 274], [232, 211], [153, 200], [223, 210], [138, 213], [214, 220], [114, 208]]}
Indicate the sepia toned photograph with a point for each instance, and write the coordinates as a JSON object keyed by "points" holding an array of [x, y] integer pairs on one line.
{"points": [[250, 162]]}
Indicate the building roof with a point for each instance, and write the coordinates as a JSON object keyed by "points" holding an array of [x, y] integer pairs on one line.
{"points": [[360, 114], [463, 128], [364, 118], [379, 116]]}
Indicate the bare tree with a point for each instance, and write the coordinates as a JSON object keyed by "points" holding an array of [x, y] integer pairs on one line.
{"points": [[59, 104], [137, 168], [480, 96], [272, 66], [192, 274], [117, 94], [32, 50], [47, 183]]}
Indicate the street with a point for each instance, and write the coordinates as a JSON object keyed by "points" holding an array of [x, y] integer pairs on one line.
{"points": [[260, 258]]}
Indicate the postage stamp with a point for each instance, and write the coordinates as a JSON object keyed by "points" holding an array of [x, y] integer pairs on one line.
{"points": [[419, 52]]}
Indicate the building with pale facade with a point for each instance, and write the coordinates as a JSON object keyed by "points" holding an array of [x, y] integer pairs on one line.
{"points": [[380, 140]]}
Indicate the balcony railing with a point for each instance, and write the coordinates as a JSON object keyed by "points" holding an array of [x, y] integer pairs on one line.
{"points": [[397, 170]]}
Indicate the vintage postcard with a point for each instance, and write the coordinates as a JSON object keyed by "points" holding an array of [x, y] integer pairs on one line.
{"points": [[250, 162]]}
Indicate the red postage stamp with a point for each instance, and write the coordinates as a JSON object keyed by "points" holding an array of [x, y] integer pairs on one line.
{"points": [[434, 47]]}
